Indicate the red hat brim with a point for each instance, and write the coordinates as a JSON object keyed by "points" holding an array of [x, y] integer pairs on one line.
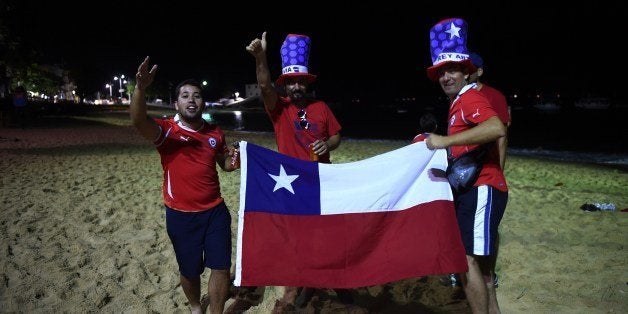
{"points": [[432, 72], [309, 77]]}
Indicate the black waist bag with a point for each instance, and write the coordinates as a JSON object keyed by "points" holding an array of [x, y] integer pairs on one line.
{"points": [[463, 171]]}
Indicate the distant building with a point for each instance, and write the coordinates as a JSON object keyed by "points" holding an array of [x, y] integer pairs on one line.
{"points": [[68, 88]]}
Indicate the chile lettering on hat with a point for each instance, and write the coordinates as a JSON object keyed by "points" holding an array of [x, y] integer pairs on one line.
{"points": [[450, 56], [294, 69]]}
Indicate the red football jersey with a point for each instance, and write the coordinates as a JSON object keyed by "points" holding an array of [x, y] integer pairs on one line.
{"points": [[188, 159], [468, 110], [293, 139]]}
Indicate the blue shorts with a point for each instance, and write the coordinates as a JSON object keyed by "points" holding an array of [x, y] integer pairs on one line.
{"points": [[479, 211], [200, 239]]}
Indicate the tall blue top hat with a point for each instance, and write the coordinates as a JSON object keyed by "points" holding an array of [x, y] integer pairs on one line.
{"points": [[295, 53], [448, 43]]}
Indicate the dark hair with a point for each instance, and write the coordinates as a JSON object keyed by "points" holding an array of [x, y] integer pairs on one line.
{"points": [[428, 123], [476, 59], [191, 82]]}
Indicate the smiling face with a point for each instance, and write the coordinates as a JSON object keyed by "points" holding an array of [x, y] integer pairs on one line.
{"points": [[452, 78], [190, 103]]}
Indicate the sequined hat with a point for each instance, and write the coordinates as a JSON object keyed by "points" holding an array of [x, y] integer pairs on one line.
{"points": [[448, 43], [295, 53]]}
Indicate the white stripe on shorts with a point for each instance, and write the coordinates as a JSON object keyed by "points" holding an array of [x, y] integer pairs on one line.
{"points": [[482, 221]]}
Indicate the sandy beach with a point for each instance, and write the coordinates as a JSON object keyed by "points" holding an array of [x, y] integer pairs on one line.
{"points": [[83, 229]]}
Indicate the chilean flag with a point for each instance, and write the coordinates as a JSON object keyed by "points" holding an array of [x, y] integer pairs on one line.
{"points": [[363, 223]]}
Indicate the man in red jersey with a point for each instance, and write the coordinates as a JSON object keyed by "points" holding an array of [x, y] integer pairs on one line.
{"points": [[472, 122], [305, 128], [197, 219], [300, 122], [496, 99], [499, 103]]}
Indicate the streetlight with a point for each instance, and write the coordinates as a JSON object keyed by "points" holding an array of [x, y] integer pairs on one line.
{"points": [[110, 92], [115, 78]]}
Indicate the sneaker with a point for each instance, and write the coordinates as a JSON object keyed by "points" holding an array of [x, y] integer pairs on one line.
{"points": [[495, 280]]}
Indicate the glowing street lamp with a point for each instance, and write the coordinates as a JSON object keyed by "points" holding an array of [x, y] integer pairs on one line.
{"points": [[110, 92], [115, 78]]}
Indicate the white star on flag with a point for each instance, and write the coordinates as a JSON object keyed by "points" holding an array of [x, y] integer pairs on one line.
{"points": [[453, 31], [283, 180]]}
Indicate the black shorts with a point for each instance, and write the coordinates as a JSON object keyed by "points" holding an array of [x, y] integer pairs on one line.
{"points": [[479, 211], [200, 239]]}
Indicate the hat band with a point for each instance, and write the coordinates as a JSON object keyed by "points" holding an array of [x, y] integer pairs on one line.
{"points": [[294, 69], [450, 56]]}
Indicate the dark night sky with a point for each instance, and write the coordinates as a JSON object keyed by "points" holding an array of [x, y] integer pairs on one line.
{"points": [[357, 49]]}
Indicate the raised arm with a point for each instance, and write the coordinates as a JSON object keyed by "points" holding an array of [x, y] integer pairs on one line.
{"points": [[144, 124], [257, 48]]}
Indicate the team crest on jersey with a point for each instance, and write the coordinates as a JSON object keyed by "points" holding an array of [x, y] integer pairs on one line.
{"points": [[452, 120], [212, 142]]}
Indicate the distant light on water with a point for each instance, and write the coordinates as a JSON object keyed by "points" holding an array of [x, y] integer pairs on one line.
{"points": [[238, 120]]}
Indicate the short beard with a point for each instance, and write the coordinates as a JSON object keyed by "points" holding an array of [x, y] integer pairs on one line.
{"points": [[298, 94], [190, 118]]}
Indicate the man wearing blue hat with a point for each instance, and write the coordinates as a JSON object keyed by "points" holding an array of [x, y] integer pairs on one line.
{"points": [[305, 128], [495, 98], [472, 125], [499, 103], [302, 124]]}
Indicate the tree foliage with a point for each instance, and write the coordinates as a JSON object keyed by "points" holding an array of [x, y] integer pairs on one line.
{"points": [[35, 79], [18, 63]]}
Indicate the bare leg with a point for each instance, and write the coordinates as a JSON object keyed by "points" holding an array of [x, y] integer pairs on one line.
{"points": [[286, 304], [493, 306], [290, 294], [474, 286], [192, 290], [304, 297], [218, 290], [487, 267]]}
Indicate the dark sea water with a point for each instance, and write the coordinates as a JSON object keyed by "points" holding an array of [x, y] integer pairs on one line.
{"points": [[575, 134]]}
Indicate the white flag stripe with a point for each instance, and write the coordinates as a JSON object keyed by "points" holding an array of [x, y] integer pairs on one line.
{"points": [[392, 181], [243, 169]]}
